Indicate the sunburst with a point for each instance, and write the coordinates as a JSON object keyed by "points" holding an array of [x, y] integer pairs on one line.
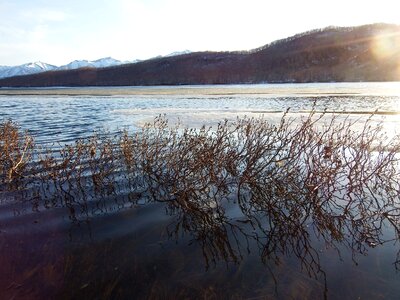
{"points": [[386, 45]]}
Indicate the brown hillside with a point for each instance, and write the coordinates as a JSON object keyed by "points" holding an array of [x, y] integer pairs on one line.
{"points": [[364, 53]]}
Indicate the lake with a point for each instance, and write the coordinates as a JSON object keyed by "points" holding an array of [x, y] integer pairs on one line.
{"points": [[63, 240], [46, 113]]}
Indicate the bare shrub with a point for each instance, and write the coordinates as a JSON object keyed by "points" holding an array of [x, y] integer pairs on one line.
{"points": [[15, 152], [245, 182]]}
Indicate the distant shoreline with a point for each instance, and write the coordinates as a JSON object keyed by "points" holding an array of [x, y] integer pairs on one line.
{"points": [[281, 89]]}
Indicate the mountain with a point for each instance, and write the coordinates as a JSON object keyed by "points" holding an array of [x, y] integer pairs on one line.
{"points": [[100, 63], [176, 53], [38, 67], [25, 69], [363, 53]]}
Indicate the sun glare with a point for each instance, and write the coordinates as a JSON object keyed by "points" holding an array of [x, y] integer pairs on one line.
{"points": [[386, 48], [386, 45]]}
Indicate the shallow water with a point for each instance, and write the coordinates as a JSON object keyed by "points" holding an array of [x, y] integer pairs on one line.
{"points": [[117, 246], [65, 114]]}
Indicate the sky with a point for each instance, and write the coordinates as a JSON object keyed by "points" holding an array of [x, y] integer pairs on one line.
{"points": [[58, 32]]}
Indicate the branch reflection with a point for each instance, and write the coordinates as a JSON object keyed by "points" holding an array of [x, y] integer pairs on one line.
{"points": [[244, 185]]}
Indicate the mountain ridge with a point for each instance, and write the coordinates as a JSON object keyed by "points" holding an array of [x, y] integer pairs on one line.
{"points": [[363, 53], [38, 66], [25, 69]]}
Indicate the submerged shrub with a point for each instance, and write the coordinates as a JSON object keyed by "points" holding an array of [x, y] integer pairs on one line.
{"points": [[15, 152], [315, 174]]}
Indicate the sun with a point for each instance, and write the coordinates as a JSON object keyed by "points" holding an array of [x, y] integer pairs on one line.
{"points": [[385, 47], [386, 44]]}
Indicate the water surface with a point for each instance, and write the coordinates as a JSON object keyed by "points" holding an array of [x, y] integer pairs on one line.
{"points": [[121, 247]]}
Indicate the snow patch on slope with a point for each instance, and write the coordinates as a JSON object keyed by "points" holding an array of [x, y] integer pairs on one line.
{"points": [[38, 67], [25, 69]]}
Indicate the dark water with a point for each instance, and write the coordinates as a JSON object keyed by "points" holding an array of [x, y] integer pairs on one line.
{"points": [[119, 246]]}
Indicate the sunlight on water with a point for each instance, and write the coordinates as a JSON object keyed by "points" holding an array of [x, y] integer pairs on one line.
{"points": [[88, 109]]}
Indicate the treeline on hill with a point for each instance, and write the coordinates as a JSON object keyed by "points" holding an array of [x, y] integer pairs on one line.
{"points": [[364, 53]]}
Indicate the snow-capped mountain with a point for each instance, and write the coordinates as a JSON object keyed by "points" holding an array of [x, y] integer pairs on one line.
{"points": [[178, 53], [76, 64], [25, 69], [99, 63], [38, 67]]}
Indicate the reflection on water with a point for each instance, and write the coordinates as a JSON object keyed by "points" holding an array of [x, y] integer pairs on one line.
{"points": [[71, 113], [246, 209]]}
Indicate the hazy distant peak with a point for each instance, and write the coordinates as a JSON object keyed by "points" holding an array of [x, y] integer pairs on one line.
{"points": [[176, 53], [99, 63], [107, 59]]}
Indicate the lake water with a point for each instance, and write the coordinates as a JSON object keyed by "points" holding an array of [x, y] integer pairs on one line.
{"points": [[66, 114], [125, 251]]}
